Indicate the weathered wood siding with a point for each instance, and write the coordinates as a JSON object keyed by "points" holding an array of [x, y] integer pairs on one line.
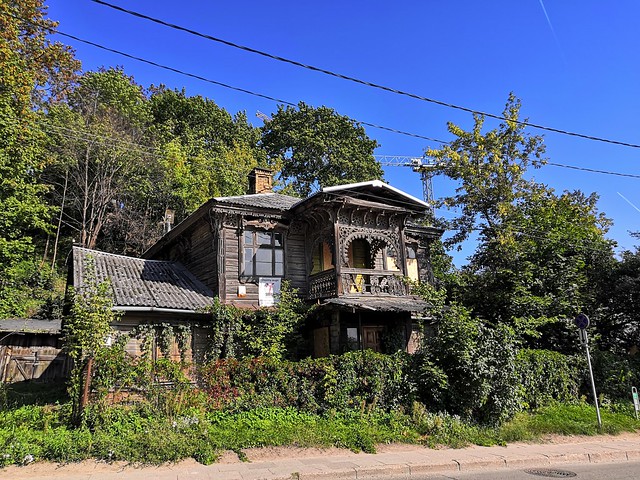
{"points": [[296, 262], [196, 250], [37, 362]]}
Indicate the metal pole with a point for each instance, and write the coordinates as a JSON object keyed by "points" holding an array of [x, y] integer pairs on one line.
{"points": [[593, 384]]}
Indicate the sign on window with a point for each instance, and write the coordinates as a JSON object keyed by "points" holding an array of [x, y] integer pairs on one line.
{"points": [[268, 291]]}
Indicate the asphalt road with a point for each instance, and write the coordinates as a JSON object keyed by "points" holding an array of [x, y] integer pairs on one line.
{"points": [[602, 471]]}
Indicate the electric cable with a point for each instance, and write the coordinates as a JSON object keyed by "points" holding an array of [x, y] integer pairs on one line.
{"points": [[360, 81]]}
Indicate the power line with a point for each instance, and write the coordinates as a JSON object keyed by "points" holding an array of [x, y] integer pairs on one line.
{"points": [[592, 170], [225, 85], [274, 99], [357, 80]]}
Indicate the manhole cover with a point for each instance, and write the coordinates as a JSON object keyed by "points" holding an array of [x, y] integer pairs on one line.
{"points": [[550, 473]]}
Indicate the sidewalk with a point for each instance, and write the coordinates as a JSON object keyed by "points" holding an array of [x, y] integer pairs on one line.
{"points": [[400, 461]]}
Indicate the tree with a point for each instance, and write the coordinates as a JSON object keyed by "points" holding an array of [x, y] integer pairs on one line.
{"points": [[617, 316], [206, 152], [539, 254], [542, 267], [490, 168], [33, 71], [317, 147], [99, 160]]}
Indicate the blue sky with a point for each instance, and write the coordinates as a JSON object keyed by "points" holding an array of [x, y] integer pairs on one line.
{"points": [[575, 68]]}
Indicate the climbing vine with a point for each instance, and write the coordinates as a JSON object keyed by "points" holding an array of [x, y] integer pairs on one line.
{"points": [[265, 332], [87, 328]]}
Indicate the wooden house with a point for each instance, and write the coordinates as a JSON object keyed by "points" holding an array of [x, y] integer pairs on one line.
{"points": [[346, 248]]}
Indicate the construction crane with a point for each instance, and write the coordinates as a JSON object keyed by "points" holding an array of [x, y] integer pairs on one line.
{"points": [[422, 165]]}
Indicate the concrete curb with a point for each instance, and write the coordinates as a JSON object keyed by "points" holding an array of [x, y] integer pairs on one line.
{"points": [[406, 462]]}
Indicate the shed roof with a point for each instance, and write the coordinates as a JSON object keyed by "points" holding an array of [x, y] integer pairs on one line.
{"points": [[407, 303], [30, 325], [140, 284]]}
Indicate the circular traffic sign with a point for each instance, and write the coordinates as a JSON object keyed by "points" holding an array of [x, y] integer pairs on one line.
{"points": [[582, 321]]}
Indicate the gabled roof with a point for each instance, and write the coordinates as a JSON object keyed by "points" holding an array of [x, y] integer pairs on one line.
{"points": [[276, 202], [375, 185], [373, 191], [140, 284]]}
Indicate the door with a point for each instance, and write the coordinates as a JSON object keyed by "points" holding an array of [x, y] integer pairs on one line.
{"points": [[372, 338]]}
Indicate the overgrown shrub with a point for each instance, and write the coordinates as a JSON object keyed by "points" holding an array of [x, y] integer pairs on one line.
{"points": [[545, 376], [468, 369], [355, 380], [614, 375]]}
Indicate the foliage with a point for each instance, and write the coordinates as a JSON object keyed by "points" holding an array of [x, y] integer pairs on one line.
{"points": [[543, 266], [616, 316], [121, 433], [362, 380], [568, 419], [32, 70], [614, 375], [546, 376], [490, 168], [468, 369], [317, 147], [96, 170], [265, 332], [87, 327], [206, 152], [540, 255]]}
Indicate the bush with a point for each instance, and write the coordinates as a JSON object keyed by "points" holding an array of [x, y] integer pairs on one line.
{"points": [[355, 380], [468, 369], [546, 376]]}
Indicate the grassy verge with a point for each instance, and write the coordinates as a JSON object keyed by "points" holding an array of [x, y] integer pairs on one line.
{"points": [[136, 434]]}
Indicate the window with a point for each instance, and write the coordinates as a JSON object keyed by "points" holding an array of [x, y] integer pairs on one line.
{"points": [[263, 254]]}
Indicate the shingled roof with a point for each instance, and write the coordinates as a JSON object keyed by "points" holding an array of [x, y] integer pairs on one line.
{"points": [[260, 200], [139, 283]]}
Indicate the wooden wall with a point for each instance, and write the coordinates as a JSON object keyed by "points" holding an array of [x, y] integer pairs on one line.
{"points": [[35, 359]]}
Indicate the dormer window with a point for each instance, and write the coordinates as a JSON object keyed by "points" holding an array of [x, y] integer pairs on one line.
{"points": [[263, 254]]}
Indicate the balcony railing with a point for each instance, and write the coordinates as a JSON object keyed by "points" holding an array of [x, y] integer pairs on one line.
{"points": [[367, 281], [357, 281], [323, 285]]}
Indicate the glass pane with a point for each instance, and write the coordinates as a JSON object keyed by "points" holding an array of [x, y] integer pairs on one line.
{"points": [[278, 267], [264, 255], [277, 239], [263, 268], [248, 261], [248, 237], [263, 238]]}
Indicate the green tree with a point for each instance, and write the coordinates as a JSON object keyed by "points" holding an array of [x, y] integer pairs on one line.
{"points": [[490, 169], [542, 267], [206, 152], [97, 139], [539, 254], [33, 71], [86, 330], [317, 147], [617, 316]]}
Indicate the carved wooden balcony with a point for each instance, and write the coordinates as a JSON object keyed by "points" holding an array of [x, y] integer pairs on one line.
{"points": [[323, 285], [367, 281], [357, 281]]}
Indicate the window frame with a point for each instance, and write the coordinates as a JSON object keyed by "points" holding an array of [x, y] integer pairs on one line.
{"points": [[256, 246]]}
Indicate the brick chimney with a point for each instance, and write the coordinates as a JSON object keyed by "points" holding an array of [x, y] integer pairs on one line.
{"points": [[260, 180]]}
